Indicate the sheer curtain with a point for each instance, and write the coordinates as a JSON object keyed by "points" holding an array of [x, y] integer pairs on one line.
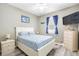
{"points": [[52, 29], [51, 26]]}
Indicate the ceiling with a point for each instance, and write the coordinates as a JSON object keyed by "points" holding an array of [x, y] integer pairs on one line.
{"points": [[40, 9]]}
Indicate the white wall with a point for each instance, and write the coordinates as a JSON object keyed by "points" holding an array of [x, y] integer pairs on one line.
{"points": [[10, 17], [60, 13]]}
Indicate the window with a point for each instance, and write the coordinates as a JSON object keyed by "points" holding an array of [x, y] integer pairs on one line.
{"points": [[51, 26]]}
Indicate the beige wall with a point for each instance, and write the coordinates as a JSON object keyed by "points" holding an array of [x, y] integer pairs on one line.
{"points": [[60, 13], [10, 17]]}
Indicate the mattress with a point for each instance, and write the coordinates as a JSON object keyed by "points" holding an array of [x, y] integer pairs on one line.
{"points": [[34, 41]]}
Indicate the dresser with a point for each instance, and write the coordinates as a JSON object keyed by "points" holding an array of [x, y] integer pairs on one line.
{"points": [[71, 40], [7, 46]]}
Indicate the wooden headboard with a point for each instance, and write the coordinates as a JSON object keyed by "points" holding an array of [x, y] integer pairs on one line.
{"points": [[24, 29]]}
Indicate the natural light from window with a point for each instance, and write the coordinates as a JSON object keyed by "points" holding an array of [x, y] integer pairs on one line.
{"points": [[51, 26]]}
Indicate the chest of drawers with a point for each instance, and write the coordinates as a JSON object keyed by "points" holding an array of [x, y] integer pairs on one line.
{"points": [[71, 40], [7, 46]]}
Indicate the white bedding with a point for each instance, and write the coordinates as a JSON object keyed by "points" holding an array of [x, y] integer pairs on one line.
{"points": [[34, 41]]}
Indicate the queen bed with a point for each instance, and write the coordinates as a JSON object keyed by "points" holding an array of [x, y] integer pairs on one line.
{"points": [[33, 44]]}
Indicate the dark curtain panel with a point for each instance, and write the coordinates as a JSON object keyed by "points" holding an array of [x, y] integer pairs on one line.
{"points": [[47, 22], [55, 18]]}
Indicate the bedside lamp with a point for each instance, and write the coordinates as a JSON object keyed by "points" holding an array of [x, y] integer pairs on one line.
{"points": [[7, 36]]}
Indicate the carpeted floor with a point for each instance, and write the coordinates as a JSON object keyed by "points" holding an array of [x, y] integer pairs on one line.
{"points": [[61, 51]]}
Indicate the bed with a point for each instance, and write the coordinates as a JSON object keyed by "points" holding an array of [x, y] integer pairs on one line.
{"points": [[33, 44]]}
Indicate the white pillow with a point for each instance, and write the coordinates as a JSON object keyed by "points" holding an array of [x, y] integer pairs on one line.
{"points": [[23, 33]]}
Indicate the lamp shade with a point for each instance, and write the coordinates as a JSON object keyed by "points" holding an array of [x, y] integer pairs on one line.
{"points": [[8, 36]]}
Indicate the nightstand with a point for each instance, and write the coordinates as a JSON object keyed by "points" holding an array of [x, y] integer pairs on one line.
{"points": [[7, 46]]}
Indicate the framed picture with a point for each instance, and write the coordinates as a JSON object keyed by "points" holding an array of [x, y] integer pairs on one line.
{"points": [[25, 19]]}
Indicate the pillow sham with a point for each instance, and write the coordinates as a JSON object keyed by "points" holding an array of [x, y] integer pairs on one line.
{"points": [[23, 33], [26, 33]]}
